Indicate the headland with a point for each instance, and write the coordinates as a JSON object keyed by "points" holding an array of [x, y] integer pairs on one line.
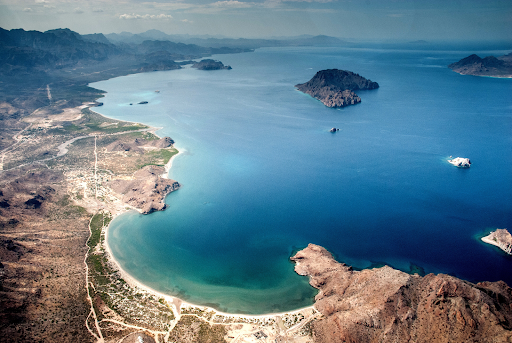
{"points": [[500, 238]]}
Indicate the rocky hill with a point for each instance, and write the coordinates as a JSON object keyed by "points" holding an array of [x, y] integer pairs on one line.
{"points": [[335, 88], [387, 305], [210, 65], [147, 190], [487, 66]]}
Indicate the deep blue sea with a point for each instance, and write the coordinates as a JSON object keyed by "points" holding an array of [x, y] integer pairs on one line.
{"points": [[262, 176]]}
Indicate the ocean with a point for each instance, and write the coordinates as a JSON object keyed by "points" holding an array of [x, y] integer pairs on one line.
{"points": [[262, 176]]}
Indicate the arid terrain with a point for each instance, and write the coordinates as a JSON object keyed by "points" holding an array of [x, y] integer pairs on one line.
{"points": [[64, 176], [66, 172], [388, 305]]}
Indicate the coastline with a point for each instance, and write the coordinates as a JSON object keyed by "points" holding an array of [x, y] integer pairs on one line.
{"points": [[487, 240], [176, 302], [179, 303]]}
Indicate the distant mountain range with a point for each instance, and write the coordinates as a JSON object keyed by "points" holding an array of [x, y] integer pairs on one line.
{"points": [[216, 42], [61, 58], [488, 66]]}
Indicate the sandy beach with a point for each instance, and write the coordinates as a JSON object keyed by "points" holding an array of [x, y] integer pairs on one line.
{"points": [[179, 303]]}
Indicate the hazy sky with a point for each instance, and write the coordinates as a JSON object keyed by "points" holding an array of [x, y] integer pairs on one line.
{"points": [[358, 19]]}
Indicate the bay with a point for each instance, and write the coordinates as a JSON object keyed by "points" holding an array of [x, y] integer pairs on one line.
{"points": [[261, 175]]}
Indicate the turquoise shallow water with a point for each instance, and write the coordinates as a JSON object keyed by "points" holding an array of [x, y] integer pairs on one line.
{"points": [[262, 176]]}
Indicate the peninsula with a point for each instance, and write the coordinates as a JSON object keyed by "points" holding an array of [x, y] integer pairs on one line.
{"points": [[488, 66], [335, 88], [500, 238], [387, 305]]}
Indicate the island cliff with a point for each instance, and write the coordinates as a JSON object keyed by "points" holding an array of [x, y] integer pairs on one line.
{"points": [[387, 305], [488, 66], [334, 88]]}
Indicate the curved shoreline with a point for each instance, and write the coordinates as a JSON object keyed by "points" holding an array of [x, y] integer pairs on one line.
{"points": [[173, 299], [177, 302]]}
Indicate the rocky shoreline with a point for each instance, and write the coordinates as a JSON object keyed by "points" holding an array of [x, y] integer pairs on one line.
{"points": [[500, 238], [335, 88], [387, 305]]}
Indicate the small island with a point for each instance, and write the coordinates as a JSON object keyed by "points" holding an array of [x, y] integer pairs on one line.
{"points": [[209, 64], [488, 66], [335, 88], [500, 238], [460, 162]]}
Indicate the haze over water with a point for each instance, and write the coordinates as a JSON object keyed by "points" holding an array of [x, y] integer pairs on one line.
{"points": [[261, 175]]}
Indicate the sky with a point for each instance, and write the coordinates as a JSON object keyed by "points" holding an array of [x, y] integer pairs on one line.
{"points": [[349, 19]]}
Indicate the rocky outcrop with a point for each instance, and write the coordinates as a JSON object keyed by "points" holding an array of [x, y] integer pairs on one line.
{"points": [[210, 65], [137, 144], [122, 146], [335, 88], [460, 162], [387, 305], [487, 66], [161, 143], [147, 190], [500, 238]]}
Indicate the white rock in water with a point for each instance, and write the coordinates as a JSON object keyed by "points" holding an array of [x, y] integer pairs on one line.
{"points": [[461, 162]]}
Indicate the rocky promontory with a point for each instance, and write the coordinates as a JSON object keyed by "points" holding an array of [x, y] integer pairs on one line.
{"points": [[335, 88], [500, 238], [488, 66], [387, 305], [209, 64], [147, 190]]}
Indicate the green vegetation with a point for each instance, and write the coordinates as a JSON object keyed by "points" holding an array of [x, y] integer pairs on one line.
{"points": [[158, 157], [112, 291], [98, 221], [193, 329]]}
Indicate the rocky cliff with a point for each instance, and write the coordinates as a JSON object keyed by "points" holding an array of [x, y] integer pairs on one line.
{"points": [[487, 66], [335, 87], [387, 305], [147, 190]]}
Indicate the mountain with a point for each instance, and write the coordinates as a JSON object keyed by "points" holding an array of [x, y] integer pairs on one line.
{"points": [[50, 49], [215, 42], [487, 66], [96, 37], [64, 59]]}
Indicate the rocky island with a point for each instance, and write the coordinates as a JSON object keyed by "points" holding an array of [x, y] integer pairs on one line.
{"points": [[335, 88], [387, 305], [500, 238], [488, 66], [460, 162], [209, 64]]}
